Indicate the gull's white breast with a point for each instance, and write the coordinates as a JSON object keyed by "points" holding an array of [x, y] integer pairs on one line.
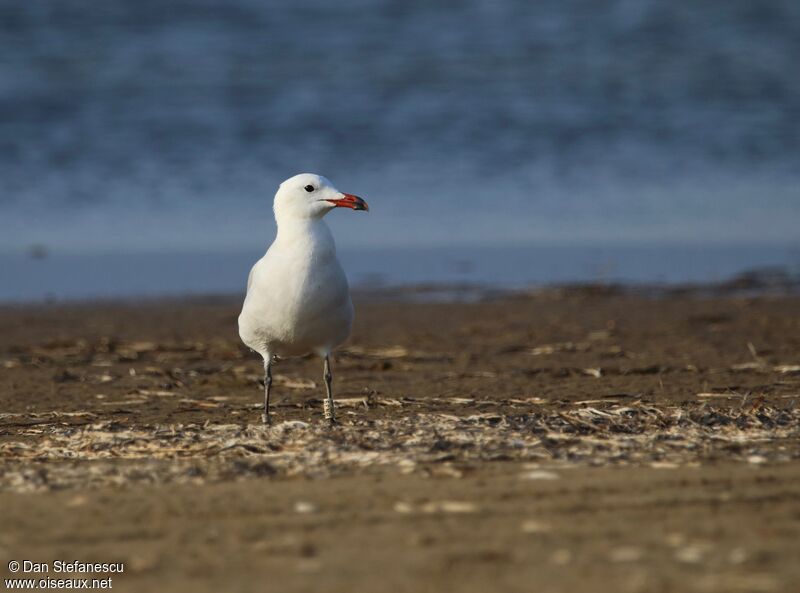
{"points": [[298, 299]]}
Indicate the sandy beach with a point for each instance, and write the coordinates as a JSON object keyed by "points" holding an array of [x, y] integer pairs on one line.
{"points": [[582, 439]]}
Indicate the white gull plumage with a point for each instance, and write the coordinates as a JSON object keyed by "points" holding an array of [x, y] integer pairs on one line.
{"points": [[298, 299]]}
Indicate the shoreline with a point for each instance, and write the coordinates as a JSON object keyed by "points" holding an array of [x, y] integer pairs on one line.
{"points": [[65, 277], [750, 283]]}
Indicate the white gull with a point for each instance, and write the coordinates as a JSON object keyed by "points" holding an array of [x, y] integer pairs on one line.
{"points": [[298, 299]]}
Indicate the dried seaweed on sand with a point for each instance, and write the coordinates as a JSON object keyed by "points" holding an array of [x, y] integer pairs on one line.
{"points": [[103, 453]]}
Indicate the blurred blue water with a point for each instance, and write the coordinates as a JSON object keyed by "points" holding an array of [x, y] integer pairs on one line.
{"points": [[155, 126], [127, 275]]}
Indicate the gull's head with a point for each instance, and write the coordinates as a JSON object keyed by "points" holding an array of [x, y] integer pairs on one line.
{"points": [[312, 196]]}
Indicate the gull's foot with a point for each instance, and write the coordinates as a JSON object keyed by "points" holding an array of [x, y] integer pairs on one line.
{"points": [[266, 419]]}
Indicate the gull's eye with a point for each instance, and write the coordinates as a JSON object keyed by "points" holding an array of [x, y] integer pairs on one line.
{"points": [[309, 188]]}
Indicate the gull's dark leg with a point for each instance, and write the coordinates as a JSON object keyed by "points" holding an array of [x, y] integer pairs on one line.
{"points": [[267, 384], [329, 407]]}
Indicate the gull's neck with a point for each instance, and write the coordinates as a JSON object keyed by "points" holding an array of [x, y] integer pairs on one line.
{"points": [[304, 233]]}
